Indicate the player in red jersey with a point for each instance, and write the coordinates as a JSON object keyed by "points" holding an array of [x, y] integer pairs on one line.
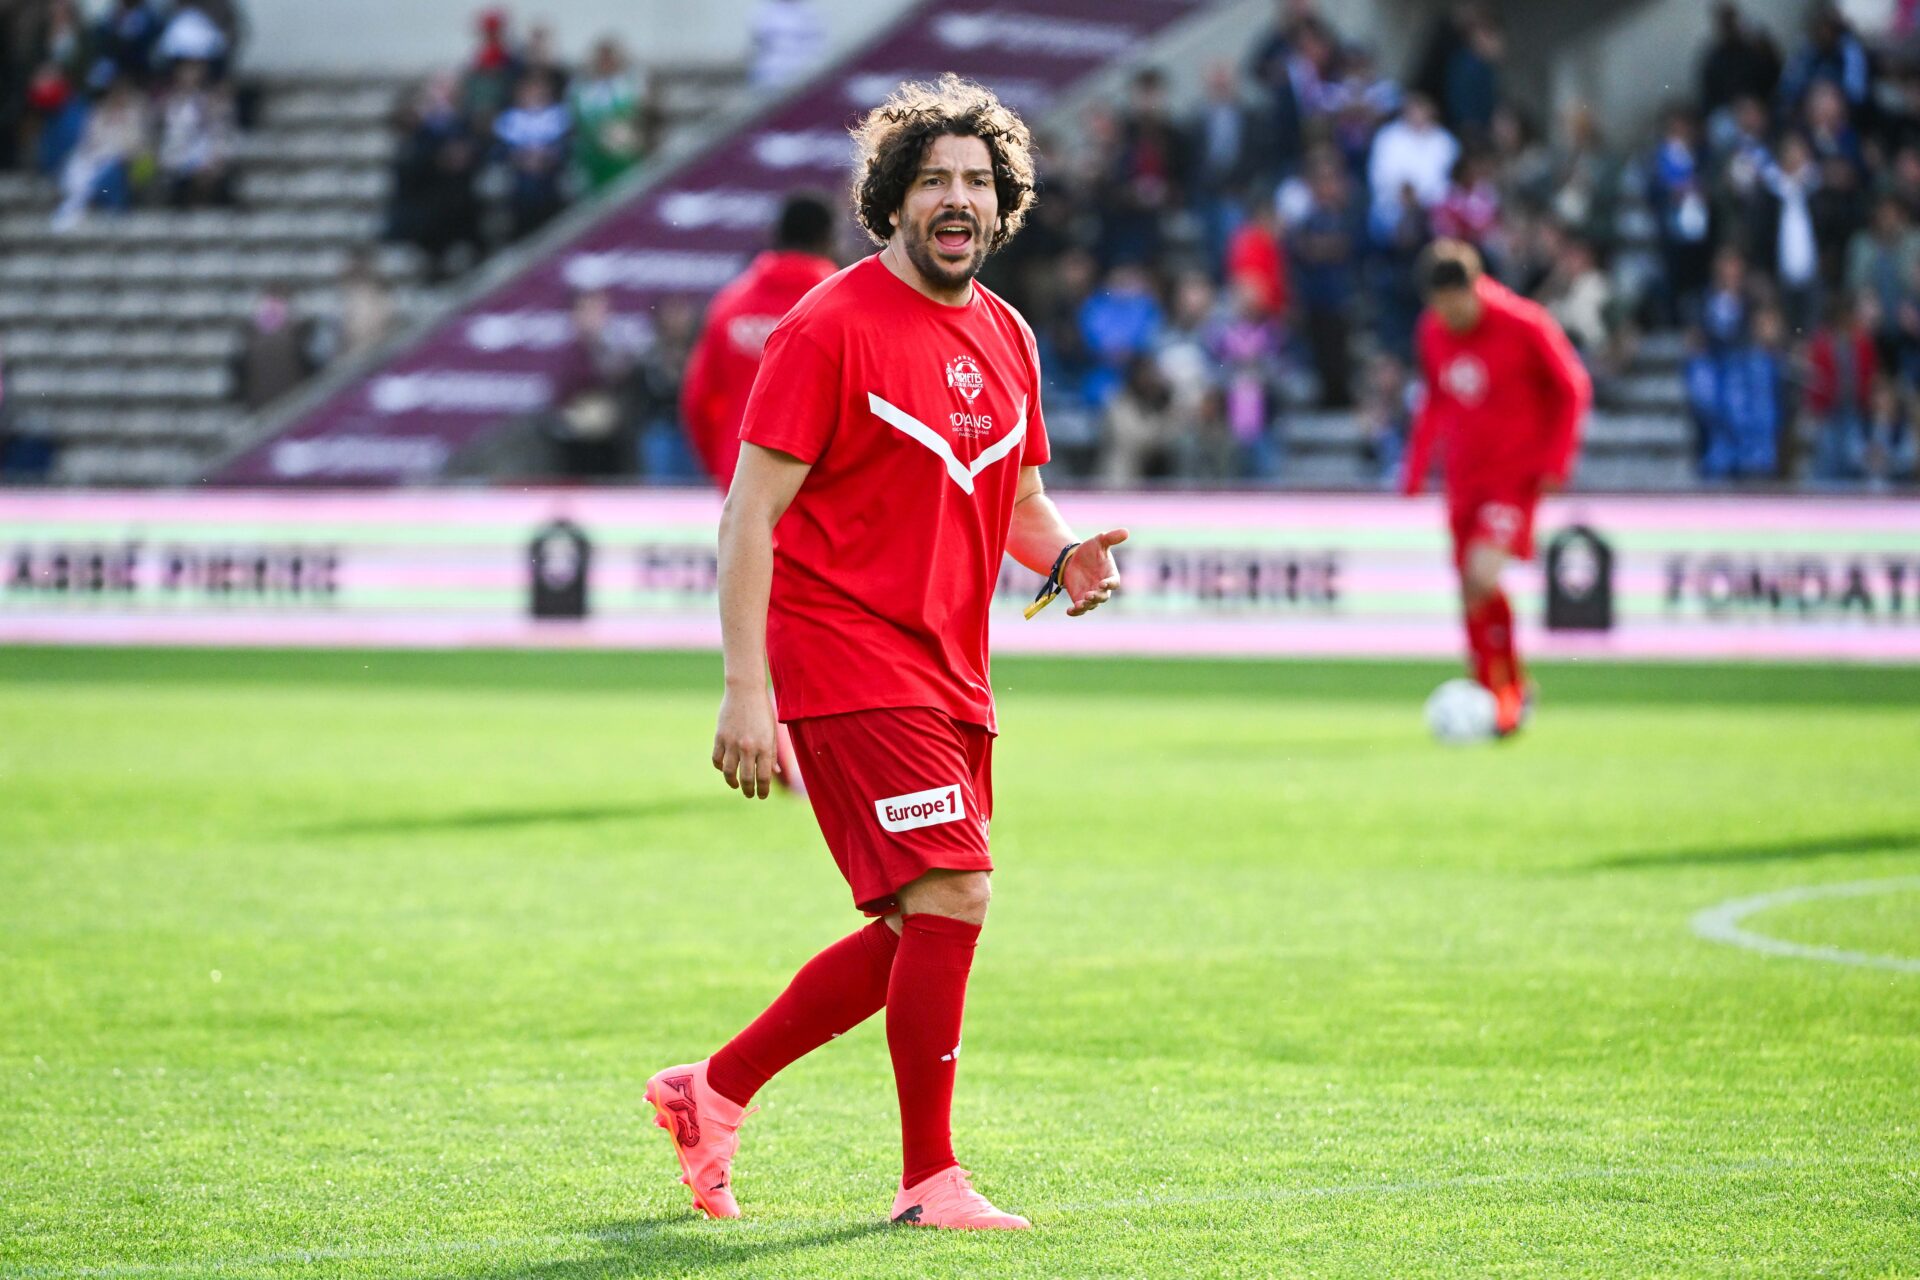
{"points": [[1505, 395], [713, 396], [721, 367], [893, 445]]}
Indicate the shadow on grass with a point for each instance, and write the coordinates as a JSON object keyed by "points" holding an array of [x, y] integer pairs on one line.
{"points": [[1804, 847], [677, 1244], [507, 819]]}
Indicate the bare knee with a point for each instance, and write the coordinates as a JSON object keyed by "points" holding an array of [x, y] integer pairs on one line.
{"points": [[959, 895], [1480, 575]]}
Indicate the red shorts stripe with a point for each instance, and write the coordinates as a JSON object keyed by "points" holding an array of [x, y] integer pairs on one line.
{"points": [[898, 792]]}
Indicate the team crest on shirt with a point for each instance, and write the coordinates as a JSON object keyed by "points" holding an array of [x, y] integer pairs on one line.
{"points": [[1466, 379], [964, 376]]}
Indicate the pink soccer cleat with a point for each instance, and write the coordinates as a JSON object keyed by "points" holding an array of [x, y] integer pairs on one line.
{"points": [[705, 1128], [948, 1199]]}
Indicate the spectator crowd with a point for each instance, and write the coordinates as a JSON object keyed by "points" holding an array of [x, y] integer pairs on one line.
{"points": [[1193, 276], [128, 102]]}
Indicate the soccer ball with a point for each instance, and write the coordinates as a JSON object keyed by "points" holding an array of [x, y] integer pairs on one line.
{"points": [[1461, 711]]}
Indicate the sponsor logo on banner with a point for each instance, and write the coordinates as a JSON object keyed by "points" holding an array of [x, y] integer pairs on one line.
{"points": [[1818, 586], [920, 809], [357, 455], [651, 269], [460, 391], [1022, 33], [804, 149], [550, 331], [730, 207]]}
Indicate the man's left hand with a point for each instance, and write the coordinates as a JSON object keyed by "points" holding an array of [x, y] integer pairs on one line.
{"points": [[1090, 576]]}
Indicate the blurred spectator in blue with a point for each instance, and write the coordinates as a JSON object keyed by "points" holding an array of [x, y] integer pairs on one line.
{"points": [[1832, 54], [125, 36], [196, 140], [1412, 151], [1842, 366], [789, 42], [99, 172], [1738, 188], [58, 53], [1120, 321], [1677, 191], [1829, 128], [1794, 244], [1358, 103], [1386, 416], [533, 138], [434, 204], [1726, 310], [1325, 252], [1741, 62], [1473, 80], [1231, 149], [487, 85], [1389, 267], [1738, 399]]}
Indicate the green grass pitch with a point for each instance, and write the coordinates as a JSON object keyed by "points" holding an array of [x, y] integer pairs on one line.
{"points": [[353, 965]]}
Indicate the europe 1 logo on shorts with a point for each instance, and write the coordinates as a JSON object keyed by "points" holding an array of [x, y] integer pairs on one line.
{"points": [[920, 809]]}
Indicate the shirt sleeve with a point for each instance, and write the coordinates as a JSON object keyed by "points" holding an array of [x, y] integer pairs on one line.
{"points": [[795, 400], [1035, 451], [1420, 439], [1569, 391]]}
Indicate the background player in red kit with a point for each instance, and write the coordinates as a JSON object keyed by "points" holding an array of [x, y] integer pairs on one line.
{"points": [[1505, 395], [720, 369], [892, 451], [722, 365]]}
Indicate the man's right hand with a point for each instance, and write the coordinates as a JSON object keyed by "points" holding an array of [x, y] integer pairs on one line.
{"points": [[744, 742]]}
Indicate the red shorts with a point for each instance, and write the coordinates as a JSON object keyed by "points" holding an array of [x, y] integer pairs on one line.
{"points": [[1506, 523], [899, 791]]}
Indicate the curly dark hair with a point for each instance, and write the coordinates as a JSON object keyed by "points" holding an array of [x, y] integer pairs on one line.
{"points": [[893, 139]]}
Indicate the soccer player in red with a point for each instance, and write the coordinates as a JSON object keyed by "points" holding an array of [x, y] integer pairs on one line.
{"points": [[721, 367], [892, 454], [1505, 395]]}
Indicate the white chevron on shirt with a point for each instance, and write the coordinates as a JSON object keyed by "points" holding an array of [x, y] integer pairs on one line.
{"points": [[961, 473]]}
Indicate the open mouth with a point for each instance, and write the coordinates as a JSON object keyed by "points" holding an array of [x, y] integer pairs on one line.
{"points": [[954, 237]]}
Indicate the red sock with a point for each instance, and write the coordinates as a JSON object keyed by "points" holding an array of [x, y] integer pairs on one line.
{"points": [[832, 994], [926, 997], [1490, 641]]}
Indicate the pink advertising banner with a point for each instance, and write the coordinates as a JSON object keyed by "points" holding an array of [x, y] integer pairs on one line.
{"points": [[1231, 574]]}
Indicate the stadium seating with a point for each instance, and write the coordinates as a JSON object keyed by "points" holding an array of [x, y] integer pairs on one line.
{"points": [[119, 334]]}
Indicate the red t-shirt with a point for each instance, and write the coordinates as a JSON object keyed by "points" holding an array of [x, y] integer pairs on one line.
{"points": [[713, 397], [917, 418], [1504, 401]]}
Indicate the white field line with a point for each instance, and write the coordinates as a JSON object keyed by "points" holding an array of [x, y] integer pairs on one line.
{"points": [[574, 1240], [1722, 923]]}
